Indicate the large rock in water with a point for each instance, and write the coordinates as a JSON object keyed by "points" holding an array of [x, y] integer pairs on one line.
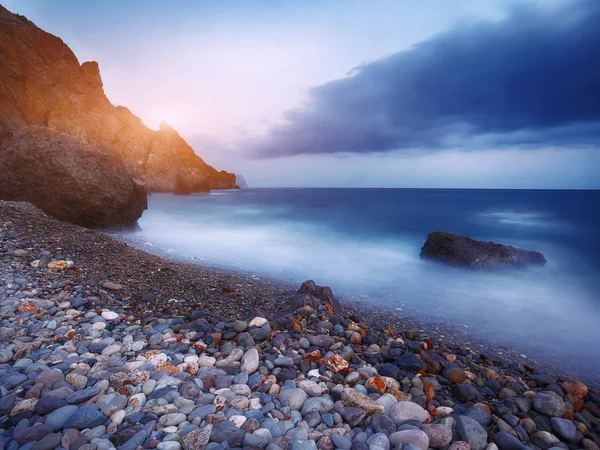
{"points": [[462, 251], [69, 179], [43, 84], [241, 182]]}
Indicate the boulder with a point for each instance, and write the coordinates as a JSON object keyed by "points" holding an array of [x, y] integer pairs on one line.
{"points": [[69, 179], [462, 251], [312, 295]]}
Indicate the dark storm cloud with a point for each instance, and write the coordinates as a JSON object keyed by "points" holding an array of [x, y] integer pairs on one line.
{"points": [[531, 79]]}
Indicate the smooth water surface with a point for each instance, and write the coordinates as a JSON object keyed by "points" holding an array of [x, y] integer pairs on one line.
{"points": [[365, 244]]}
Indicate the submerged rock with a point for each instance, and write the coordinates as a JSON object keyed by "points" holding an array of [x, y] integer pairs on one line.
{"points": [[463, 251]]}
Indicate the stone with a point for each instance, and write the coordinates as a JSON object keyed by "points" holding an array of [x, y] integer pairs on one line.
{"points": [[380, 440], [410, 362], [30, 434], [110, 286], [311, 388], [250, 361], [412, 436], [76, 380], [439, 435], [351, 397], [564, 428], [121, 379], [382, 424], [257, 322], [320, 405], [401, 412], [82, 395], [5, 355], [471, 432], [227, 432], [109, 315], [169, 445], [460, 445], [465, 393], [293, 397], [549, 404], [506, 441], [303, 445], [575, 388], [172, 419], [455, 375], [23, 406], [341, 442], [88, 416], [47, 404], [197, 439], [337, 364], [57, 419], [353, 416], [462, 251], [48, 442]]}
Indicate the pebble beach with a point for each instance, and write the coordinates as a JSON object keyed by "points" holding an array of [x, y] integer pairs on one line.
{"points": [[105, 346]]}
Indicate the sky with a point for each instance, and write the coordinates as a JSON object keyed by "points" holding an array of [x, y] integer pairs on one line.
{"points": [[429, 93]]}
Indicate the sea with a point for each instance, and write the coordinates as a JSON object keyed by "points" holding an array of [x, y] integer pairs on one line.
{"points": [[365, 245]]}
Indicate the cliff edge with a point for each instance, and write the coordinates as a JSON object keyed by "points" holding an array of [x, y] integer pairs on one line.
{"points": [[42, 84]]}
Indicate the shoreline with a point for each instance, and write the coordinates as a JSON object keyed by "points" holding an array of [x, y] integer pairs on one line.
{"points": [[449, 332], [196, 284], [156, 353]]}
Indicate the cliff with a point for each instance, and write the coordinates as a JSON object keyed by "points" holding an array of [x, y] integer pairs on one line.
{"points": [[42, 84], [68, 178]]}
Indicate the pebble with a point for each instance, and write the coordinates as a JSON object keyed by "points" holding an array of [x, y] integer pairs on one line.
{"points": [[293, 398], [549, 404], [250, 361], [472, 432], [401, 412], [413, 436]]}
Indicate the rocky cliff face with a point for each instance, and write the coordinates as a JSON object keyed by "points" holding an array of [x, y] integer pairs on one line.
{"points": [[43, 84], [43, 166]]}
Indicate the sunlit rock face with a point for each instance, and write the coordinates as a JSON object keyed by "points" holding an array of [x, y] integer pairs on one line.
{"points": [[69, 179], [43, 84]]}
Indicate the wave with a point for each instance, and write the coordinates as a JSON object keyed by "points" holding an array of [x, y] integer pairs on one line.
{"points": [[526, 219]]}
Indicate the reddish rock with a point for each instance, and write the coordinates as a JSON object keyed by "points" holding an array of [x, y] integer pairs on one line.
{"points": [[575, 388], [110, 286], [455, 375], [170, 367], [429, 390], [28, 308], [313, 356], [120, 379], [376, 383], [337, 364]]}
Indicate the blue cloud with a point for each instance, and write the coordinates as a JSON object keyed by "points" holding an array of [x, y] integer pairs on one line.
{"points": [[531, 79]]}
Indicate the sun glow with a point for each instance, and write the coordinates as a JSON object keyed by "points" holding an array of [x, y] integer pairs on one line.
{"points": [[153, 117]]}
